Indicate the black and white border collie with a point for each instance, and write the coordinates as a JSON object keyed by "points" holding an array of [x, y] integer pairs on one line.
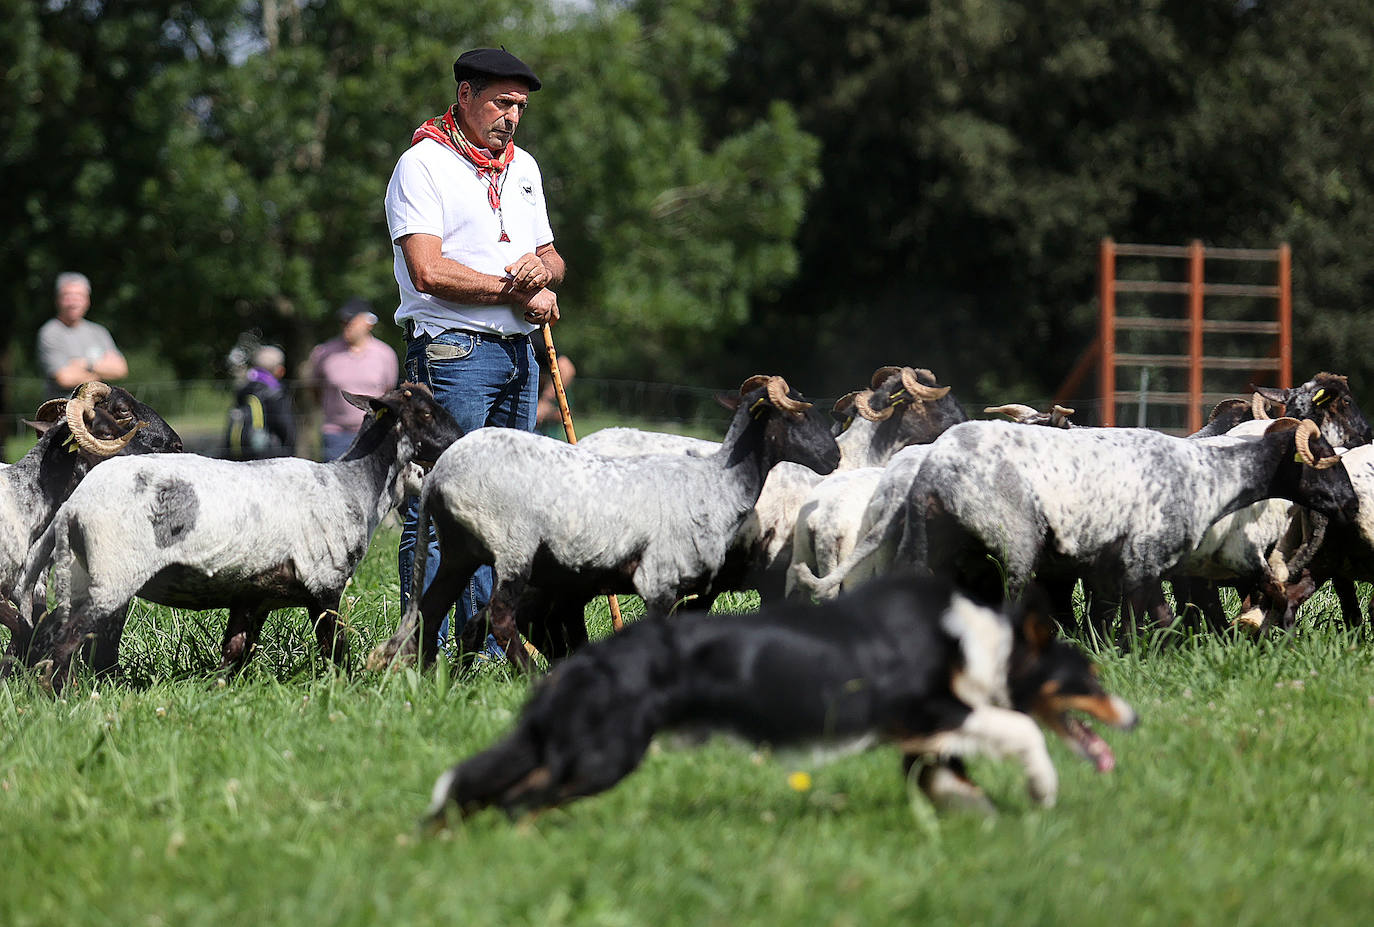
{"points": [[902, 660]]}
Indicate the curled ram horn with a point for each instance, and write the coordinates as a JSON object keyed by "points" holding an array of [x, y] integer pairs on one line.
{"points": [[753, 383], [48, 415], [881, 375], [82, 404], [1016, 411], [1059, 416], [863, 404], [1257, 408], [1227, 405], [918, 390], [1301, 439], [777, 394], [845, 404], [51, 411]]}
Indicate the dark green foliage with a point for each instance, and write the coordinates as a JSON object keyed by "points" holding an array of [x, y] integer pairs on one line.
{"points": [[975, 152], [813, 187]]}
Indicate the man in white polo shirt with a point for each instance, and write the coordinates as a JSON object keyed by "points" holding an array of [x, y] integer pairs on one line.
{"points": [[475, 263]]}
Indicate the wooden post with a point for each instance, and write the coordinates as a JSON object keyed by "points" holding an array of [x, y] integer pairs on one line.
{"points": [[1106, 334], [1195, 279]]}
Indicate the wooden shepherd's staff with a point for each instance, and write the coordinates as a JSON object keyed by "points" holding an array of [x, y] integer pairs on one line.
{"points": [[616, 621]]}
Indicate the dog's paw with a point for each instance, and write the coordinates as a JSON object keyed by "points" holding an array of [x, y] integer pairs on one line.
{"points": [[948, 791], [1042, 782]]}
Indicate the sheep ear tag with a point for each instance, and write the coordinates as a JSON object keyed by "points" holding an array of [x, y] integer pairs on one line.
{"points": [[757, 409], [380, 411], [1321, 396]]}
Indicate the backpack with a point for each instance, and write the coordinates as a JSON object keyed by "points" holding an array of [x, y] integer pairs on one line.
{"points": [[247, 437]]}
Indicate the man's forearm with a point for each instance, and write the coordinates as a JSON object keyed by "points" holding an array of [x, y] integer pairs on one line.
{"points": [[436, 275], [553, 261], [111, 366], [455, 282]]}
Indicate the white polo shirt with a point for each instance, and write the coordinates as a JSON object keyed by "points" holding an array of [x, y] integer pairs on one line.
{"points": [[436, 191]]}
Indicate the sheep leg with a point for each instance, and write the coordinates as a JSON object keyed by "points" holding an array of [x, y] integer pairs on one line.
{"points": [[9, 617], [1284, 598], [571, 618], [1059, 591], [20, 635], [240, 638], [501, 611], [332, 642], [57, 642], [1204, 596], [1148, 602], [100, 650], [659, 607], [1349, 600], [555, 624]]}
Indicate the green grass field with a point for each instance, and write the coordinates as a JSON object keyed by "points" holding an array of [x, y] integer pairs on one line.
{"points": [[291, 795]]}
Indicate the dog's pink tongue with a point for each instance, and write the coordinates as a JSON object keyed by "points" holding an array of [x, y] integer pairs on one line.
{"points": [[1101, 755]]}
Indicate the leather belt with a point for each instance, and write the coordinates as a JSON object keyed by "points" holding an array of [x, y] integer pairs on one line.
{"points": [[490, 336]]}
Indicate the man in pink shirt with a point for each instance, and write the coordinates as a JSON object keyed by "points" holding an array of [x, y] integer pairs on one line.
{"points": [[357, 362]]}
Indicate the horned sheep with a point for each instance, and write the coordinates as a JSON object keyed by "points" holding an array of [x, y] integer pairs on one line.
{"points": [[98, 422], [578, 524], [198, 533], [1118, 507]]}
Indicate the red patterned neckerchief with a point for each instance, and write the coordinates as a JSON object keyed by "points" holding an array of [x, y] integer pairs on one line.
{"points": [[444, 130]]}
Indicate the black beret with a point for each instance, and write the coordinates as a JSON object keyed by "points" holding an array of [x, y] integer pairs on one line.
{"points": [[495, 62]]}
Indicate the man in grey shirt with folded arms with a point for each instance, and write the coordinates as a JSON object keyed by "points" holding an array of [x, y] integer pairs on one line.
{"points": [[73, 350]]}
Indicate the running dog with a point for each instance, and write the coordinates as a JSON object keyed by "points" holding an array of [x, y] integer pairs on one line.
{"points": [[903, 660]]}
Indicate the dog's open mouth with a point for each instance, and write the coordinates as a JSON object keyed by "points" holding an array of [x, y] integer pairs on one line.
{"points": [[1064, 715], [1084, 741]]}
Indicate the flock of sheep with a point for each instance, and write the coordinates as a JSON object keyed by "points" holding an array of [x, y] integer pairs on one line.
{"points": [[1273, 497]]}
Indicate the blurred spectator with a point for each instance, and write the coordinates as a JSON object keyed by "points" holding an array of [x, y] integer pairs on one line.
{"points": [[73, 350], [548, 417], [355, 362], [262, 422]]}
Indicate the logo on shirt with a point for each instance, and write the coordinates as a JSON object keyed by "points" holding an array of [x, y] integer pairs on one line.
{"points": [[527, 190]]}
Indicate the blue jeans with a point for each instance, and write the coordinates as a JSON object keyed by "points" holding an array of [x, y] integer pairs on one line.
{"points": [[482, 381]]}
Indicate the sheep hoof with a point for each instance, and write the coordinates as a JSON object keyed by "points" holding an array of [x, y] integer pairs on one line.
{"points": [[44, 670], [1251, 621], [386, 656]]}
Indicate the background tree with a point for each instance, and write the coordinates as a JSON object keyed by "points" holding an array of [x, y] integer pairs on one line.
{"points": [[815, 187], [244, 188], [72, 154], [975, 151]]}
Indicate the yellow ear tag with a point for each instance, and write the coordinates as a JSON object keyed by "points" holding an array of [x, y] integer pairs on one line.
{"points": [[1297, 458], [379, 413], [71, 445], [1321, 396], [755, 410]]}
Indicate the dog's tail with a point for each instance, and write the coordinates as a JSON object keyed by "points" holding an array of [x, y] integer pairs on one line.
{"points": [[587, 727], [487, 778]]}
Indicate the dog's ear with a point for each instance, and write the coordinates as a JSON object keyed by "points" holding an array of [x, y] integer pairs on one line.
{"points": [[1036, 625]]}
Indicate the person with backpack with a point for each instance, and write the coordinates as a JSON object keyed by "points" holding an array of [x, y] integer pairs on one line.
{"points": [[262, 421]]}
